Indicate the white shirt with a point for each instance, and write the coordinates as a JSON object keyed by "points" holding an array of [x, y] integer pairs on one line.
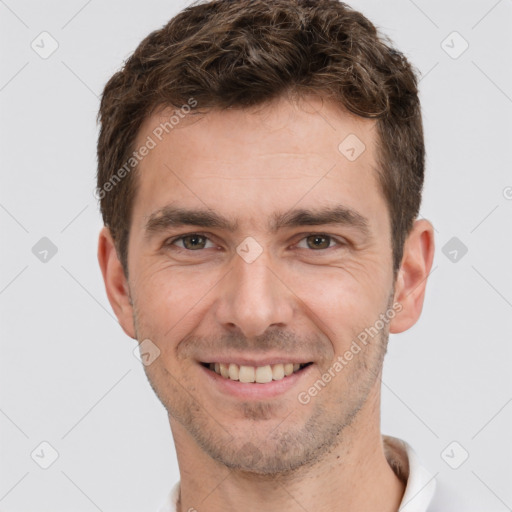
{"points": [[420, 484]]}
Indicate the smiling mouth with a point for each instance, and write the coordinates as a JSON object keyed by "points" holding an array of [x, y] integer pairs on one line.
{"points": [[255, 374]]}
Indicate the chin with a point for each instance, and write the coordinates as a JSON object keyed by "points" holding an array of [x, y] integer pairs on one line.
{"points": [[273, 453]]}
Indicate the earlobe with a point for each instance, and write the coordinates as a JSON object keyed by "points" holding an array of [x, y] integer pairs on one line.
{"points": [[412, 277], [116, 284]]}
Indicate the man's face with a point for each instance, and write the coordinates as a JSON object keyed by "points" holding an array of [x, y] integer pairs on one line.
{"points": [[269, 291]]}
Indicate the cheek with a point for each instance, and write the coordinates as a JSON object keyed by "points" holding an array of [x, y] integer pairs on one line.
{"points": [[170, 301], [343, 301], [338, 299]]}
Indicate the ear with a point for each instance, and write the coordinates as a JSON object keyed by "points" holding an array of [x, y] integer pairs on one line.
{"points": [[412, 276], [116, 284]]}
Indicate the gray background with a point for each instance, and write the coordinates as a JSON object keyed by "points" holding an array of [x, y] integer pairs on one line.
{"points": [[68, 375]]}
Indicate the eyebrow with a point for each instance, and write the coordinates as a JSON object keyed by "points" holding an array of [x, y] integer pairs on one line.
{"points": [[170, 216]]}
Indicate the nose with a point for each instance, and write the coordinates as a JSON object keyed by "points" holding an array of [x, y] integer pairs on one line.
{"points": [[253, 297]]}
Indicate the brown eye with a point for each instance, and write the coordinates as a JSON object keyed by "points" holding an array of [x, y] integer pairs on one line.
{"points": [[318, 241], [194, 242], [321, 243]]}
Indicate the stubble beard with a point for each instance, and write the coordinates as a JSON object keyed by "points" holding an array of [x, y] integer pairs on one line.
{"points": [[282, 449]]}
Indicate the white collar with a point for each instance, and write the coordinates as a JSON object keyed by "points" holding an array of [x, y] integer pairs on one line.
{"points": [[420, 484], [402, 458]]}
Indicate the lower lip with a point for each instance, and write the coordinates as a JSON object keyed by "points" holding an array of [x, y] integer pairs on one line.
{"points": [[255, 390]]}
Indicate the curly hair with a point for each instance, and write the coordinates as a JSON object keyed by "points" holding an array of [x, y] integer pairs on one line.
{"points": [[243, 53]]}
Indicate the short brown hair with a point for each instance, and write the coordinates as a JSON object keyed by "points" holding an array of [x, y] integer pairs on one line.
{"points": [[242, 53]]}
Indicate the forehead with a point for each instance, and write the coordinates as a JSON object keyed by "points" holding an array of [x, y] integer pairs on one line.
{"points": [[258, 161]]}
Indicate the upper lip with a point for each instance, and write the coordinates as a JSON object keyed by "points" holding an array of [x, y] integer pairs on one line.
{"points": [[255, 361]]}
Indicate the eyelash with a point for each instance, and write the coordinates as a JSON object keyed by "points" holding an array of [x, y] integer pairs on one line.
{"points": [[340, 242]]}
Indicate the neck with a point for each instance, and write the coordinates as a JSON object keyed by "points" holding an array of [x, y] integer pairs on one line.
{"points": [[354, 476]]}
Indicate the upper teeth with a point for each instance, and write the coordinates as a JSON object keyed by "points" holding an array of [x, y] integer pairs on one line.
{"points": [[260, 374]]}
